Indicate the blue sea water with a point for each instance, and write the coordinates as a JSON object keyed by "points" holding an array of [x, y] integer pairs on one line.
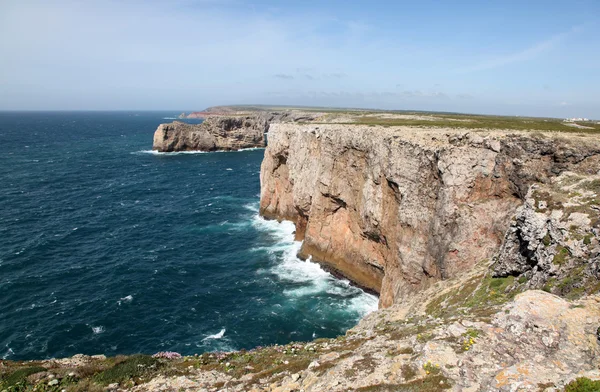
{"points": [[107, 247]]}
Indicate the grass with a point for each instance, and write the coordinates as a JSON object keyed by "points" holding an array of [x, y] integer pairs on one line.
{"points": [[131, 369], [583, 384], [431, 383], [476, 122], [438, 119], [14, 380], [561, 255]]}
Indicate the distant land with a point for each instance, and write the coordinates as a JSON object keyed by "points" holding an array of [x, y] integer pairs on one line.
{"points": [[407, 118]]}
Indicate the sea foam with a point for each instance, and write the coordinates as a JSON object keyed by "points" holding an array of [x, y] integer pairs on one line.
{"points": [[217, 335], [311, 277]]}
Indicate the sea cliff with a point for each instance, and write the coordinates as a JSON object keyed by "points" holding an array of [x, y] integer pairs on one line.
{"points": [[215, 133], [396, 209]]}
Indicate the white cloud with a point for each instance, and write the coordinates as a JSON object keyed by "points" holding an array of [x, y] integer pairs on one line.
{"points": [[522, 55]]}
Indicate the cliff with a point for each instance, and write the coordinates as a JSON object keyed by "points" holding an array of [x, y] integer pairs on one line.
{"points": [[396, 209], [215, 133], [223, 129], [554, 241]]}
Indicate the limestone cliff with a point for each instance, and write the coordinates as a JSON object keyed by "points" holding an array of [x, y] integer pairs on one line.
{"points": [[215, 133], [223, 129], [395, 209], [554, 241]]}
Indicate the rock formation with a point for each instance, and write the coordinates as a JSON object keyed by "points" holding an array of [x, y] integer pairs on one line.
{"points": [[396, 209], [554, 241], [222, 130], [215, 133]]}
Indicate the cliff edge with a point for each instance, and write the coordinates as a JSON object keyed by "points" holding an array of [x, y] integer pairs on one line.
{"points": [[396, 209]]}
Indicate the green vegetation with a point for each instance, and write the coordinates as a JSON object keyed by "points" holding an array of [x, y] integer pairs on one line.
{"points": [[132, 368], [429, 119], [16, 379], [469, 339], [583, 384], [431, 383], [561, 255], [478, 122]]}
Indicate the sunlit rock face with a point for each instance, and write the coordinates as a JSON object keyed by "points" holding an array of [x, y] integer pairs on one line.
{"points": [[215, 133], [396, 209]]}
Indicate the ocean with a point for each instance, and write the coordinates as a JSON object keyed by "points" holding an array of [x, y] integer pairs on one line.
{"points": [[109, 248]]}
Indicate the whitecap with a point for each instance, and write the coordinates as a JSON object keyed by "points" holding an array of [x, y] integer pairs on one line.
{"points": [[229, 169], [125, 299], [218, 335], [251, 149], [98, 330], [252, 207], [170, 118], [309, 278], [153, 152], [8, 353]]}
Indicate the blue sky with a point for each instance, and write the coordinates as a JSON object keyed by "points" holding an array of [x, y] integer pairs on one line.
{"points": [[537, 58]]}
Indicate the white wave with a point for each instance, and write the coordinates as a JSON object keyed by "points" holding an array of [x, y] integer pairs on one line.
{"points": [[170, 118], [229, 169], [193, 152], [218, 335], [252, 207], [153, 152], [252, 149], [98, 330], [313, 279], [8, 353], [126, 299], [364, 304]]}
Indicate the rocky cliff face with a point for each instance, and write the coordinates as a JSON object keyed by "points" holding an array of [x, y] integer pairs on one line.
{"points": [[554, 241], [215, 133], [223, 130], [396, 209]]}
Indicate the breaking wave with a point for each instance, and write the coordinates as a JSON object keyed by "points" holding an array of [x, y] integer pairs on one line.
{"points": [[306, 279], [217, 335]]}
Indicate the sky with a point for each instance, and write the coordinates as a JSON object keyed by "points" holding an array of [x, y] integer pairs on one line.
{"points": [[536, 58]]}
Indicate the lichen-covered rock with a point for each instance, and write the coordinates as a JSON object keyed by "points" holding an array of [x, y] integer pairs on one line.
{"points": [[396, 209], [554, 241]]}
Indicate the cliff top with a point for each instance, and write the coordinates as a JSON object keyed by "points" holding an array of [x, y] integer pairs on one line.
{"points": [[408, 118]]}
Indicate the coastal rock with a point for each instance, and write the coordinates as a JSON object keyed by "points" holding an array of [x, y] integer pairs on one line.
{"points": [[553, 243], [215, 133], [395, 209]]}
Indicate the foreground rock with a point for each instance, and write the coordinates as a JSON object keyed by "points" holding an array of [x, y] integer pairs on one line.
{"points": [[396, 209]]}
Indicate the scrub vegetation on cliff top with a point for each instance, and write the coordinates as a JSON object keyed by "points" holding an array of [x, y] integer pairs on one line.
{"points": [[424, 119]]}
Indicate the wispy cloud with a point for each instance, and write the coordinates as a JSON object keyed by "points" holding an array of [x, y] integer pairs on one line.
{"points": [[522, 55], [283, 76]]}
